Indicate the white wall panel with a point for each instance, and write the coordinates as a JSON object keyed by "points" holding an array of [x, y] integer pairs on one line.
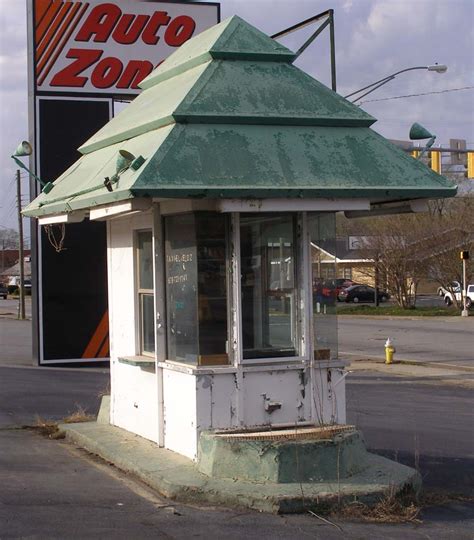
{"points": [[135, 400], [216, 401], [179, 400]]}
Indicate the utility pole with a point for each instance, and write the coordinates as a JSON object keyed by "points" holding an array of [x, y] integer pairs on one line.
{"points": [[21, 262], [464, 257], [376, 281]]}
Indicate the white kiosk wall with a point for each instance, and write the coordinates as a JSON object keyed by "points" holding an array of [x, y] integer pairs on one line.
{"points": [[170, 399]]}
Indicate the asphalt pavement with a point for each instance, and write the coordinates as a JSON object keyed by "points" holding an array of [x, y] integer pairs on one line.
{"points": [[447, 340], [52, 490]]}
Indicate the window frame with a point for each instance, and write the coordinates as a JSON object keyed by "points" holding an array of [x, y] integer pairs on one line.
{"points": [[227, 242], [140, 293], [302, 288]]}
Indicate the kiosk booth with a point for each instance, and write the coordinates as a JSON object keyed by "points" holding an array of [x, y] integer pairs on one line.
{"points": [[214, 183]]}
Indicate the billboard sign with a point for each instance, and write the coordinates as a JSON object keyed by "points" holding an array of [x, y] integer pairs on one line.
{"points": [[99, 47], [82, 55]]}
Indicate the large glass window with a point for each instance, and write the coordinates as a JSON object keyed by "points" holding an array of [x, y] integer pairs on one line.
{"points": [[145, 292], [268, 285], [322, 229], [196, 288]]}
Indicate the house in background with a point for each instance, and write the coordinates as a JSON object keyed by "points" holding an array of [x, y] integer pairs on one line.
{"points": [[11, 276], [9, 258], [342, 258]]}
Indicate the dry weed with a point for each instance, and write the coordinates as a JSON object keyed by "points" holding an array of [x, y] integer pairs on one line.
{"points": [[50, 429], [79, 415], [47, 428], [390, 509]]}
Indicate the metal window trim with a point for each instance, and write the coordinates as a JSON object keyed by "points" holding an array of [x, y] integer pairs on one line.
{"points": [[301, 329], [139, 348], [160, 314]]}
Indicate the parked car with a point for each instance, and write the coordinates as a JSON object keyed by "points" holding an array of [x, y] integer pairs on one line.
{"points": [[362, 293], [341, 284], [448, 297], [3, 291], [455, 285], [330, 288]]}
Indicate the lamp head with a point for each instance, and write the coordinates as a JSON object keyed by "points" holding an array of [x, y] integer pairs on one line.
{"points": [[439, 68], [124, 160], [23, 149], [418, 132]]}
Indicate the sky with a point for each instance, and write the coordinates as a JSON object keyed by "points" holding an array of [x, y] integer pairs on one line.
{"points": [[374, 38]]}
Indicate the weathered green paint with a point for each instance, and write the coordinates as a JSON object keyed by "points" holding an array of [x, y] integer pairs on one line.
{"points": [[283, 461], [284, 161], [177, 477], [232, 92], [82, 185], [149, 111], [240, 122], [231, 39], [267, 91]]}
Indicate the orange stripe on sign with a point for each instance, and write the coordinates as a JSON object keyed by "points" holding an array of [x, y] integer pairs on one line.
{"points": [[55, 48], [46, 20], [101, 332], [52, 29], [41, 7], [62, 45], [104, 350]]}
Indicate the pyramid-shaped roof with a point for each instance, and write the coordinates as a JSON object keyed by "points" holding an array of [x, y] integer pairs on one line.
{"points": [[232, 39], [227, 116]]}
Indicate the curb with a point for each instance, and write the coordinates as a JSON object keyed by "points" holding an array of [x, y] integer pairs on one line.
{"points": [[406, 362], [176, 477]]}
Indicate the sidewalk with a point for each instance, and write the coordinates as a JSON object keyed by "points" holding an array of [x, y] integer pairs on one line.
{"points": [[423, 372], [177, 477]]}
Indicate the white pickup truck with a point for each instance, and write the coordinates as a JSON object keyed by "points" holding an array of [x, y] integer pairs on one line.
{"points": [[448, 297]]}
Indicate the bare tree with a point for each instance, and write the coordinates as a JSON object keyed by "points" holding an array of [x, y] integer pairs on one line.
{"points": [[407, 248], [450, 233], [9, 238], [392, 245]]}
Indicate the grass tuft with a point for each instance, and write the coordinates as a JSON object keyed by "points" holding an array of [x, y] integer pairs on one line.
{"points": [[47, 428], [390, 509], [50, 428], [396, 311], [79, 415]]}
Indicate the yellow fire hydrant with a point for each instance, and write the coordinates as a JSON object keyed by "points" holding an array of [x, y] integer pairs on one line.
{"points": [[389, 351]]}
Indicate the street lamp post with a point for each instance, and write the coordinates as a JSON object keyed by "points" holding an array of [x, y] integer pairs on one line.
{"points": [[438, 68]]}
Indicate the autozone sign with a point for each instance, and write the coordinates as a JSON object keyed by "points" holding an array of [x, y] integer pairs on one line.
{"points": [[99, 47]]}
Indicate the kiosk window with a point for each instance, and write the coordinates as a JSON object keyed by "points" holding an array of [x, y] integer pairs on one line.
{"points": [[196, 288], [268, 285], [322, 229], [145, 292]]}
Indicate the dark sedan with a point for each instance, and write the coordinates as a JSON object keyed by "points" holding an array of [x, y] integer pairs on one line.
{"points": [[362, 293], [3, 291]]}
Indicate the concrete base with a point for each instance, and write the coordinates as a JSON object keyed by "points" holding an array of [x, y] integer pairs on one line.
{"points": [[284, 460], [104, 412], [178, 478]]}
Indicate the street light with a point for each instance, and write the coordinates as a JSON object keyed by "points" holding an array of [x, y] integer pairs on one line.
{"points": [[438, 68], [417, 133], [25, 149]]}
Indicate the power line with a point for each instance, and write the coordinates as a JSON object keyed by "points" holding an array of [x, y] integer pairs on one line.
{"points": [[421, 94]]}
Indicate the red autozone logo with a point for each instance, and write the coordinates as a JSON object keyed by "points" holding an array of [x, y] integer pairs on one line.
{"points": [[109, 47]]}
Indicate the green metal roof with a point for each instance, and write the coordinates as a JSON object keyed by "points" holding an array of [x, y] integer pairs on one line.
{"points": [[232, 92], [230, 39], [227, 115]]}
